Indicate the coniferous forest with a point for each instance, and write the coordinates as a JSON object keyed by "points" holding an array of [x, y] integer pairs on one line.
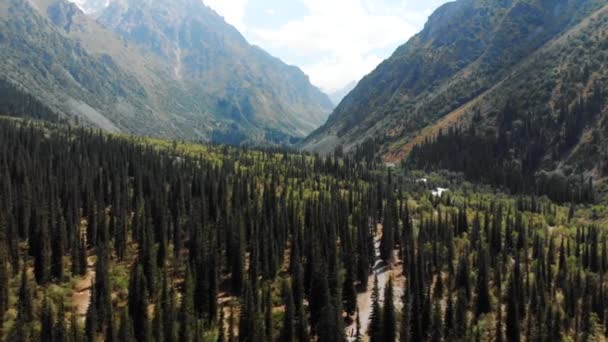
{"points": [[162, 179], [116, 238]]}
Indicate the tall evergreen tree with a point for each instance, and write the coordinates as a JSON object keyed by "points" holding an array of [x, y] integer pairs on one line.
{"points": [[267, 310], [389, 320], [91, 327], [250, 328], [41, 241], [186, 313], [389, 226], [25, 307], [138, 304], [460, 320], [375, 328], [102, 291], [449, 323], [349, 292], [483, 292], [58, 249], [512, 322]]}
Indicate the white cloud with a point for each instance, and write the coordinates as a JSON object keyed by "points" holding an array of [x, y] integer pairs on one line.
{"points": [[233, 11], [332, 74], [337, 41], [270, 11]]}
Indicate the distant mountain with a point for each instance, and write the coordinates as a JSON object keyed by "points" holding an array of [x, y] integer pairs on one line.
{"points": [[338, 95], [475, 60], [93, 7], [166, 68]]}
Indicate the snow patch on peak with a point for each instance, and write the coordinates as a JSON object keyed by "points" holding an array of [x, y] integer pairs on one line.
{"points": [[91, 6]]}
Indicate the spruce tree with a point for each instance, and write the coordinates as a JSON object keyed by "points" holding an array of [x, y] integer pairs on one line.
{"points": [[186, 313], [237, 264], [58, 249], [389, 321], [462, 277], [389, 223], [375, 327], [138, 304], [102, 291], [460, 320], [42, 250], [328, 326], [249, 316], [512, 322], [349, 292], [267, 310], [483, 292], [91, 321], [25, 308], [79, 256], [449, 323]]}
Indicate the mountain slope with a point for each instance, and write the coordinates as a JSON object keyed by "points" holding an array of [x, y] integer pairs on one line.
{"points": [[213, 57], [219, 88], [466, 48], [547, 119]]}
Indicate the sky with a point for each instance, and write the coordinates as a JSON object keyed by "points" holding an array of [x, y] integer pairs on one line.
{"points": [[335, 42]]}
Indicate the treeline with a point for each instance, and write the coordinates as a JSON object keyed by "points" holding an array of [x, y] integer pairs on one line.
{"points": [[17, 103], [512, 155]]}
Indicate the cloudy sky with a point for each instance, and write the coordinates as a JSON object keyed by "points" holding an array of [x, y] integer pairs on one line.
{"points": [[334, 41]]}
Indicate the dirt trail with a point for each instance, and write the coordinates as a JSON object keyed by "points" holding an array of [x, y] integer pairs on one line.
{"points": [[82, 291], [364, 299]]}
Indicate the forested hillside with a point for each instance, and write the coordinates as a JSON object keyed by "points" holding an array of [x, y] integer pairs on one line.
{"points": [[17, 103], [527, 76], [106, 237]]}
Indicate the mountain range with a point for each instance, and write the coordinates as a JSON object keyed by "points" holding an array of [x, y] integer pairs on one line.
{"points": [[165, 68], [520, 68], [524, 78]]}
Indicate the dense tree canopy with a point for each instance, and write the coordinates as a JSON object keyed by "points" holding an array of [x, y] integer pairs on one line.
{"points": [[177, 240]]}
